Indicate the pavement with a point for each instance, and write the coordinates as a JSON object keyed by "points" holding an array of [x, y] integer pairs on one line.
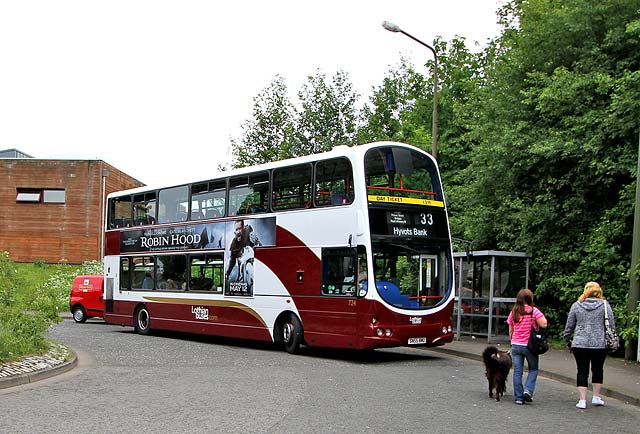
{"points": [[621, 377]]}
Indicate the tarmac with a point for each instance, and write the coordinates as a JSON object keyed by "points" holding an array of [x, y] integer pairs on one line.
{"points": [[621, 377]]}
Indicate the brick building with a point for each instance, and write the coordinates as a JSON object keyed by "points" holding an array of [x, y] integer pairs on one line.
{"points": [[53, 210]]}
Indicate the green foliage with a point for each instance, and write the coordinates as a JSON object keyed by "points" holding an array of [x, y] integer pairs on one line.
{"points": [[21, 333], [268, 134], [9, 280], [53, 295], [325, 116], [553, 171], [31, 301]]}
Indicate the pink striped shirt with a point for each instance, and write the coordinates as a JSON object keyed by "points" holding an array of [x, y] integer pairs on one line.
{"points": [[522, 329]]}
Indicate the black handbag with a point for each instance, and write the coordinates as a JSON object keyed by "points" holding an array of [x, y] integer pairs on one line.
{"points": [[610, 335], [538, 343]]}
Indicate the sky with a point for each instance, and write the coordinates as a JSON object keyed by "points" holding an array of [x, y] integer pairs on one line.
{"points": [[158, 88]]}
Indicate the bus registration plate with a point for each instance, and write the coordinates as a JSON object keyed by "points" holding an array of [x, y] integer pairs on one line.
{"points": [[417, 341]]}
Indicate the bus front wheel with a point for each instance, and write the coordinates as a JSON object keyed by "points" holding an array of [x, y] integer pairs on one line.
{"points": [[142, 321], [292, 334]]}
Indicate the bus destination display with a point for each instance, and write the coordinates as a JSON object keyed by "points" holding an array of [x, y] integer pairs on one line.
{"points": [[408, 224]]}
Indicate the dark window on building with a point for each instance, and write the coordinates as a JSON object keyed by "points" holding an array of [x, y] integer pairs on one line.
{"points": [[41, 195]]}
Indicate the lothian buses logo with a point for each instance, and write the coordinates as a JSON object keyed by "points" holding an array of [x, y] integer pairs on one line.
{"points": [[200, 312], [415, 319]]}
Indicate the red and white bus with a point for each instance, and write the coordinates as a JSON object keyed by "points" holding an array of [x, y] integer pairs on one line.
{"points": [[346, 249]]}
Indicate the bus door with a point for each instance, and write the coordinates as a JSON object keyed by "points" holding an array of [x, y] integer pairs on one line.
{"points": [[332, 320], [429, 292]]}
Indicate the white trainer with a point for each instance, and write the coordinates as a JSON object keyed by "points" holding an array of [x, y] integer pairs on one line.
{"points": [[597, 401], [582, 404]]}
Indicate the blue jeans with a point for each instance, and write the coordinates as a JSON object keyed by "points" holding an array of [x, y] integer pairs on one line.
{"points": [[518, 354]]}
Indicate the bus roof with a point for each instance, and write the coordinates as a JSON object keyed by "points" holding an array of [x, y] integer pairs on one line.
{"points": [[336, 151]]}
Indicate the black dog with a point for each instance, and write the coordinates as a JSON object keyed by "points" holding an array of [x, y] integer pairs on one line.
{"points": [[497, 364]]}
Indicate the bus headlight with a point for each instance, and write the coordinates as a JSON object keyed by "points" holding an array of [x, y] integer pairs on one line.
{"points": [[388, 332], [380, 332]]}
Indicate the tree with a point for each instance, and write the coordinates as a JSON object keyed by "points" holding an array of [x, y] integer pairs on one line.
{"points": [[269, 134], [553, 172], [327, 115], [384, 118]]}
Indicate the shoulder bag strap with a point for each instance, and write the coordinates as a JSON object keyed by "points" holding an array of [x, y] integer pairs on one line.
{"points": [[532, 315]]}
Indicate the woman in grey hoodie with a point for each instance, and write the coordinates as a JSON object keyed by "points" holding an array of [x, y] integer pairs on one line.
{"points": [[584, 335]]}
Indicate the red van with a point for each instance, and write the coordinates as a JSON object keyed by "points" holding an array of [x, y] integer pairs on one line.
{"points": [[86, 297]]}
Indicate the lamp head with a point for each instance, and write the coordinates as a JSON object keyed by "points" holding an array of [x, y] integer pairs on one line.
{"points": [[391, 27]]}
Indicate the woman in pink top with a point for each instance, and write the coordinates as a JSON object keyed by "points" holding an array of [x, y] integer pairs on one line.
{"points": [[524, 315]]}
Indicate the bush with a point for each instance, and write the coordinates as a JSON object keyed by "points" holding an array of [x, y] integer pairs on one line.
{"points": [[21, 333], [28, 309], [9, 280], [52, 296]]}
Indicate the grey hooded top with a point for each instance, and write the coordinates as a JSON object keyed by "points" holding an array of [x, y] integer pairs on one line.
{"points": [[586, 324]]}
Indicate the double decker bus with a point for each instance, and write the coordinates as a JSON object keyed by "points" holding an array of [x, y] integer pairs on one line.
{"points": [[346, 249]]}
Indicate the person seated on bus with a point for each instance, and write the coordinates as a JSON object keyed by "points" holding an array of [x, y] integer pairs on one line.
{"points": [[147, 282], [362, 272]]}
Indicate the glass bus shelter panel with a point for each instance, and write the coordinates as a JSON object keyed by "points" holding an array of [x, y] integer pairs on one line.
{"points": [[475, 325], [466, 293], [473, 298], [510, 276], [499, 320]]}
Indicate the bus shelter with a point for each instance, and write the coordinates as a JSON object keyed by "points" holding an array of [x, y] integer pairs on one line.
{"points": [[487, 282]]}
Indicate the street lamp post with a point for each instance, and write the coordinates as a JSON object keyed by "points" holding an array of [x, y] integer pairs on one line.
{"points": [[396, 29]]}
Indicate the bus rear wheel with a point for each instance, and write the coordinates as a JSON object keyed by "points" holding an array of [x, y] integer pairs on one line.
{"points": [[292, 334], [142, 321]]}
